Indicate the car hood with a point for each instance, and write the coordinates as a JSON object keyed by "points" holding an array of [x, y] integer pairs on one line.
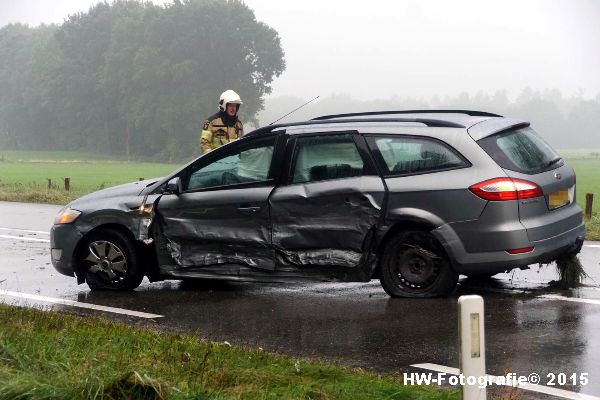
{"points": [[127, 190]]}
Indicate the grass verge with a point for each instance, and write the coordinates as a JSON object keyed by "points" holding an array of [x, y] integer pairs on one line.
{"points": [[592, 228], [48, 355], [34, 193]]}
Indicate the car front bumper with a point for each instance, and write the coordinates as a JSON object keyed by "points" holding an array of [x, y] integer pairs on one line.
{"points": [[64, 239]]}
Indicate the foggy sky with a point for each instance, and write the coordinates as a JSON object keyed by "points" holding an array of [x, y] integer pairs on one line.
{"points": [[414, 48]]}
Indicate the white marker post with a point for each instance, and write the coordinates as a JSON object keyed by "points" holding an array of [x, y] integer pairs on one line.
{"points": [[471, 345]]}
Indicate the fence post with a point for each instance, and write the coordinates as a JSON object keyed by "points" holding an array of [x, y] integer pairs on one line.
{"points": [[49, 183], [471, 345], [589, 201], [67, 183]]}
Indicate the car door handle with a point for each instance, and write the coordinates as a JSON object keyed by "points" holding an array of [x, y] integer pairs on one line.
{"points": [[248, 210]]}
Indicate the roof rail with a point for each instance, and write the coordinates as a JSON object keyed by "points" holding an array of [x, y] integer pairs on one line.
{"points": [[425, 121], [374, 113]]}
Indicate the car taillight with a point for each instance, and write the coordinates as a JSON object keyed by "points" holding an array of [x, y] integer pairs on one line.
{"points": [[503, 189], [521, 250]]}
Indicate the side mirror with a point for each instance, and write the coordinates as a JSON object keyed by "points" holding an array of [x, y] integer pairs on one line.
{"points": [[174, 186]]}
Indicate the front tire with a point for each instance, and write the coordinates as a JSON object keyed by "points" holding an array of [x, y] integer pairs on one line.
{"points": [[415, 265], [110, 261]]}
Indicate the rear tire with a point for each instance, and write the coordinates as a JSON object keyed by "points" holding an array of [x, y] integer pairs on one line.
{"points": [[110, 261], [415, 265]]}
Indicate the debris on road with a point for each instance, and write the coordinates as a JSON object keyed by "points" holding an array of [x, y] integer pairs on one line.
{"points": [[570, 271]]}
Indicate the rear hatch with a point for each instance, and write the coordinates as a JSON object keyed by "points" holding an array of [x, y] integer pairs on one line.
{"points": [[524, 155]]}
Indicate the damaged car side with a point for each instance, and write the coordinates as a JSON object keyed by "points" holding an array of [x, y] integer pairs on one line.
{"points": [[412, 198]]}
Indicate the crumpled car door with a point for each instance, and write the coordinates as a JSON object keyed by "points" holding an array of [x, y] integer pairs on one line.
{"points": [[327, 213]]}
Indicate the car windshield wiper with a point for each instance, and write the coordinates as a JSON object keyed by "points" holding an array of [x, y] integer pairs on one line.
{"points": [[552, 162]]}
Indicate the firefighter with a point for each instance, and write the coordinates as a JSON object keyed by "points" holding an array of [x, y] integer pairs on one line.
{"points": [[224, 126]]}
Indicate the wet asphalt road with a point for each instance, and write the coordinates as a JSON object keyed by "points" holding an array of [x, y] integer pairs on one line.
{"points": [[355, 324]]}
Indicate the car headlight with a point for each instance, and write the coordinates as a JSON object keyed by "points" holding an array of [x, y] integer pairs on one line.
{"points": [[66, 216]]}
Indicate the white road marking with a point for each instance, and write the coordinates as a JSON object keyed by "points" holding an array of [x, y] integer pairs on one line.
{"points": [[573, 299], [78, 304], [24, 230], [438, 368], [25, 238], [494, 290], [552, 391], [592, 245]]}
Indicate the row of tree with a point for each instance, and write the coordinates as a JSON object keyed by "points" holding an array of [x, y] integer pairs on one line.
{"points": [[132, 78], [565, 122], [137, 80]]}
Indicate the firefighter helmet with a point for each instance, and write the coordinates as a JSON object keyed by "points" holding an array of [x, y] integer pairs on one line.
{"points": [[229, 96]]}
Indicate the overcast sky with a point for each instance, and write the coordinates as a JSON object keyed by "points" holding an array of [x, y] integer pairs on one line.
{"points": [[419, 48]]}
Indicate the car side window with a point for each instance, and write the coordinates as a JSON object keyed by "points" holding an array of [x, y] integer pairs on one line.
{"points": [[319, 158], [410, 155], [246, 163]]}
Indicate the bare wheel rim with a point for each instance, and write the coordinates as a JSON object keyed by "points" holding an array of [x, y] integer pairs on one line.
{"points": [[415, 267], [107, 261]]}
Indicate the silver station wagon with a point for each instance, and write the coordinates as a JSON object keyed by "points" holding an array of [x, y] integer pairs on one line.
{"points": [[413, 198]]}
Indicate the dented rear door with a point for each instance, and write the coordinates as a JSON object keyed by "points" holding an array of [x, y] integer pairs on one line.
{"points": [[326, 212]]}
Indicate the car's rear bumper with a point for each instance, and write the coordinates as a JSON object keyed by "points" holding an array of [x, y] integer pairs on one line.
{"points": [[490, 262], [63, 242]]}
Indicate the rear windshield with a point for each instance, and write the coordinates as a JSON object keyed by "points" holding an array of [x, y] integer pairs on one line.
{"points": [[521, 150]]}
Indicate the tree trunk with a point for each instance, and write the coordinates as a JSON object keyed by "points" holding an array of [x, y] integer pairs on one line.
{"points": [[109, 142], [128, 140]]}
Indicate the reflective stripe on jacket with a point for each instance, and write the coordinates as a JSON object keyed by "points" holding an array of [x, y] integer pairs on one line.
{"points": [[216, 132]]}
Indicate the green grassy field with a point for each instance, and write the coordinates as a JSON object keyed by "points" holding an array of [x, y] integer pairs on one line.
{"points": [[48, 355], [26, 155], [588, 180], [24, 176], [85, 171]]}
